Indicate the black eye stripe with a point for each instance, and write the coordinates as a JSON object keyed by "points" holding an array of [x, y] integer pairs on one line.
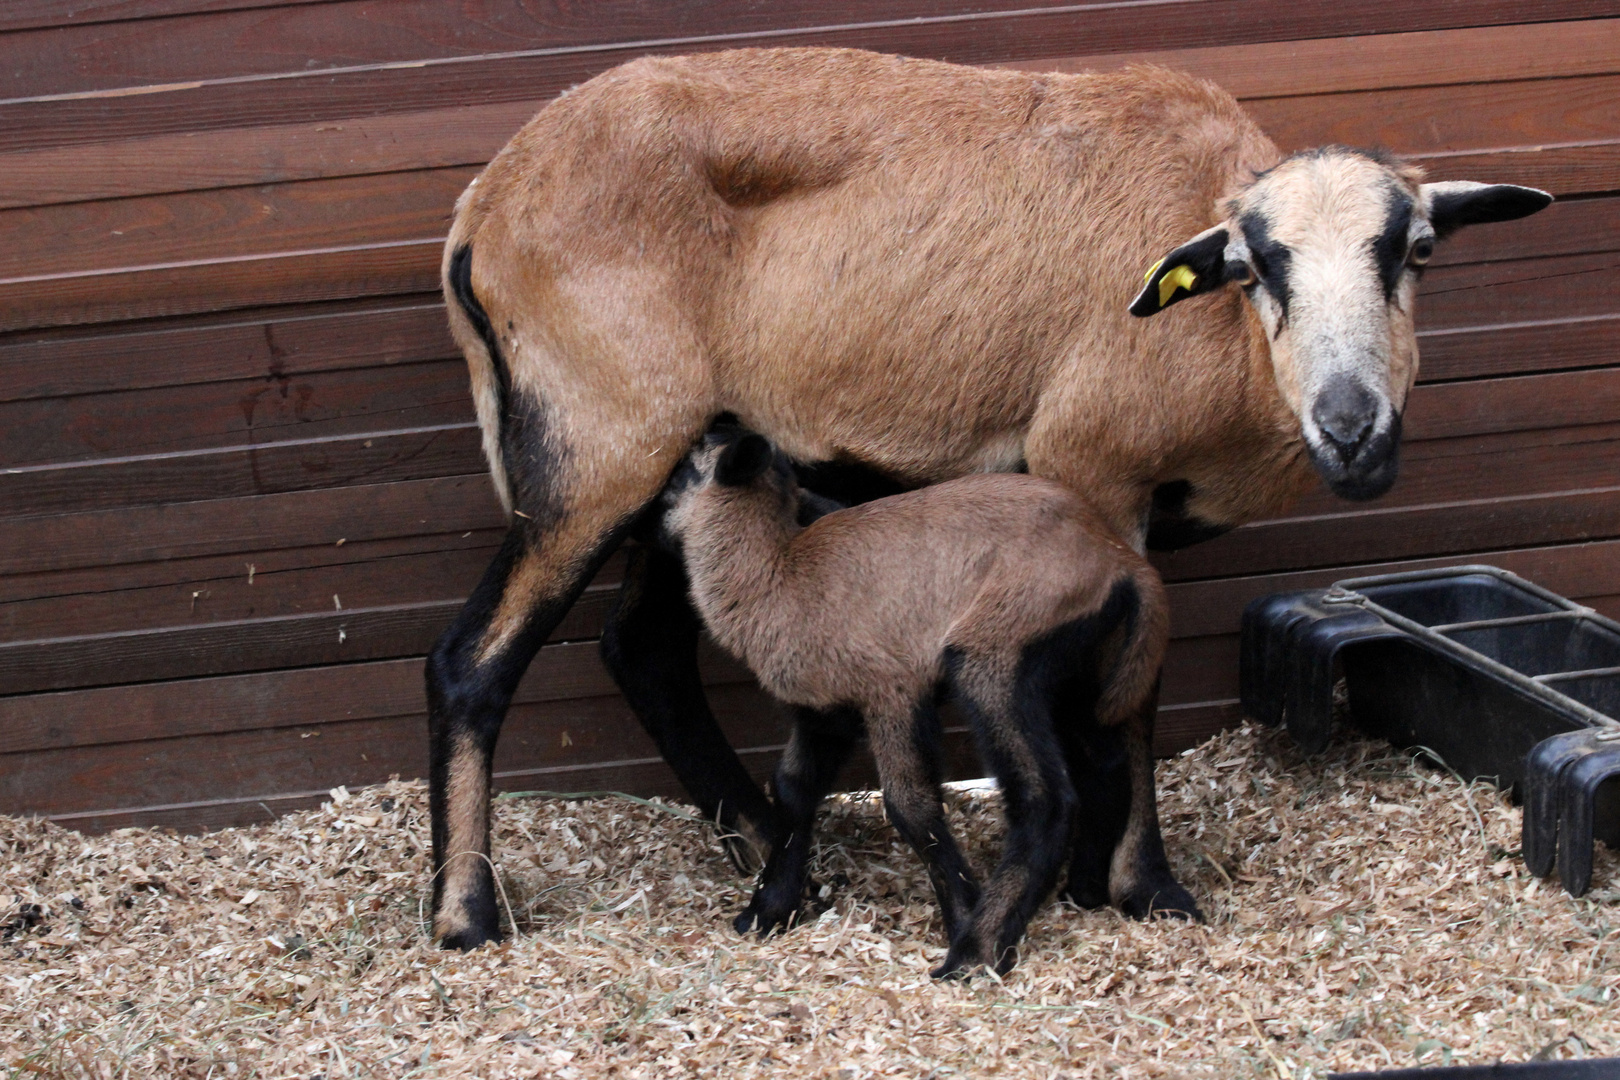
{"points": [[1389, 247], [1271, 260]]}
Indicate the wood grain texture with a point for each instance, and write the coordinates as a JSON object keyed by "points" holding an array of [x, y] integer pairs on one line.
{"points": [[285, 96], [272, 344]]}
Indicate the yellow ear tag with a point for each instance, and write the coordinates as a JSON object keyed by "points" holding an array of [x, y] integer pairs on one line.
{"points": [[1154, 269], [1182, 277]]}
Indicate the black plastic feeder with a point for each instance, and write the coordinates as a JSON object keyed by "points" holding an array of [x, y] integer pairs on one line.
{"points": [[1496, 676]]}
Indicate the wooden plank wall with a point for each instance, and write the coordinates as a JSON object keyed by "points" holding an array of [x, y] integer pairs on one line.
{"points": [[240, 489]]}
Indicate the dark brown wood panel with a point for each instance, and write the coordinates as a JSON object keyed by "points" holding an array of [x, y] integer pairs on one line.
{"points": [[274, 344], [206, 225], [34, 14], [288, 96], [384, 269], [236, 412], [1380, 61], [1501, 348], [213, 527], [264, 468], [1470, 116]]}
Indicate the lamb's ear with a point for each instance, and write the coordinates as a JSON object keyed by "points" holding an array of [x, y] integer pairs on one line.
{"points": [[1195, 267], [1455, 203], [743, 461]]}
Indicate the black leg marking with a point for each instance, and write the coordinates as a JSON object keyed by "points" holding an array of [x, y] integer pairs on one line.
{"points": [[1100, 772], [821, 743], [650, 647], [467, 700], [1141, 883]]}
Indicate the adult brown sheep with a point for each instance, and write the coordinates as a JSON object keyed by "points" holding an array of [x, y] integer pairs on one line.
{"points": [[919, 269]]}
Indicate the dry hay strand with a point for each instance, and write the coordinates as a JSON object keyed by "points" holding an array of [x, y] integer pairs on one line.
{"points": [[1366, 911]]}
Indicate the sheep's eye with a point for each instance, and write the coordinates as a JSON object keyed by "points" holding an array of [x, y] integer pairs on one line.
{"points": [[1421, 251], [1240, 273]]}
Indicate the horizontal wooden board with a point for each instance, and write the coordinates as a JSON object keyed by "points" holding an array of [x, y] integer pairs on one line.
{"points": [[237, 412], [211, 573], [197, 226], [416, 85], [269, 760], [1562, 170], [1508, 347], [185, 530], [418, 570], [34, 14], [168, 707], [273, 344], [383, 269], [1262, 69], [1470, 116], [263, 468]]}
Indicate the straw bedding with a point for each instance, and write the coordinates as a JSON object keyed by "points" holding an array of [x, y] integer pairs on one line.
{"points": [[1365, 911]]}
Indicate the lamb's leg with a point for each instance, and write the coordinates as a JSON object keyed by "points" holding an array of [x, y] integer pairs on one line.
{"points": [[1017, 742], [649, 645], [907, 748], [820, 745], [1140, 882], [1099, 770]]}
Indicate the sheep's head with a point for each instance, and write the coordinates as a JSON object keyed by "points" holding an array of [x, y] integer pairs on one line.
{"points": [[725, 463], [1328, 246]]}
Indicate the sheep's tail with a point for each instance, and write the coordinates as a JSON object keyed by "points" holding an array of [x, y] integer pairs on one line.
{"points": [[491, 379], [1133, 650]]}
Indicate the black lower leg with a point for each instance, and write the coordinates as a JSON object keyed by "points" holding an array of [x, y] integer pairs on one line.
{"points": [[469, 686], [649, 645], [1140, 882], [1100, 772], [821, 743]]}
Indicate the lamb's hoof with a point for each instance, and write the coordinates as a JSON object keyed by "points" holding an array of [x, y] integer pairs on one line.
{"points": [[746, 848], [960, 959], [1165, 899], [764, 919], [1089, 893], [469, 939]]}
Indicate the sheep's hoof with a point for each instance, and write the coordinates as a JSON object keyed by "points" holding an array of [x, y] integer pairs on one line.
{"points": [[764, 920], [1164, 900]]}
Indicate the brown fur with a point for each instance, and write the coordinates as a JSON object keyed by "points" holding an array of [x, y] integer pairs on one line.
{"points": [[916, 266], [873, 607]]}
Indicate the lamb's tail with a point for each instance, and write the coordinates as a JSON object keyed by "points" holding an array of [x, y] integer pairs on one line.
{"points": [[1132, 653]]}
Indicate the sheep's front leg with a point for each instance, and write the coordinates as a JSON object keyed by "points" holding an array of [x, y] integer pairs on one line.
{"points": [[1099, 769], [820, 745], [1140, 882]]}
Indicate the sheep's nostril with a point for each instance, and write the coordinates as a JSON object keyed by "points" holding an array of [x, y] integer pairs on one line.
{"points": [[1345, 413]]}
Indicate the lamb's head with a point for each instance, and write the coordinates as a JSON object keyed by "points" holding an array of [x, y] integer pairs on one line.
{"points": [[728, 471], [1328, 247]]}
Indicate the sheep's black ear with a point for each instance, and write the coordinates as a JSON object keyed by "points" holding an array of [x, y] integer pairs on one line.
{"points": [[1195, 267], [1455, 203], [743, 461]]}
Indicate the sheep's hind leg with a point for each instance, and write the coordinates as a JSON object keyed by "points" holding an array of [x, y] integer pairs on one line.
{"points": [[821, 743], [907, 749], [471, 675], [1140, 882], [649, 645]]}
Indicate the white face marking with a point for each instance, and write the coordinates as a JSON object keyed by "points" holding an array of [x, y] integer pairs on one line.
{"points": [[1316, 231]]}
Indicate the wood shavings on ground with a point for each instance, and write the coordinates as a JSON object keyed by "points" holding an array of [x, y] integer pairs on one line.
{"points": [[1365, 912]]}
